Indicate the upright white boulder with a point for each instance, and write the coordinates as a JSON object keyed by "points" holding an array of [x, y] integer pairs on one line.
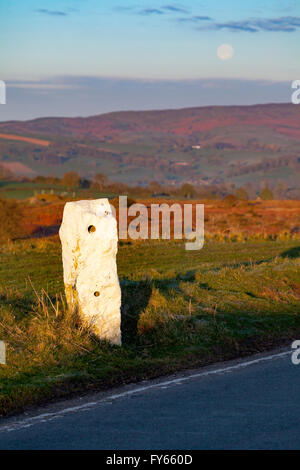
{"points": [[89, 240]]}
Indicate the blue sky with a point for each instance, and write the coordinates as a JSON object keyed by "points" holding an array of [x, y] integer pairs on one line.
{"points": [[74, 57]]}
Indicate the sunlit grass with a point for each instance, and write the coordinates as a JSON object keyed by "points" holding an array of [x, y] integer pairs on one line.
{"points": [[179, 309]]}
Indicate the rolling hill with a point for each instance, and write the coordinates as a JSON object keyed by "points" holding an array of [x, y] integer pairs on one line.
{"points": [[209, 145]]}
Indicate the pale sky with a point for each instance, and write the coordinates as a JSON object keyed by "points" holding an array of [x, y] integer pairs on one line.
{"points": [[80, 57]]}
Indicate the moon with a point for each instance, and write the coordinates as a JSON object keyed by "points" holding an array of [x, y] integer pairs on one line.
{"points": [[225, 52]]}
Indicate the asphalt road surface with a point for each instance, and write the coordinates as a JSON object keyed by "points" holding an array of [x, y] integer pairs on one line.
{"points": [[248, 404]]}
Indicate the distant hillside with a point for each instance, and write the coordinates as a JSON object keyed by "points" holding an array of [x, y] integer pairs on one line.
{"points": [[281, 118], [199, 145]]}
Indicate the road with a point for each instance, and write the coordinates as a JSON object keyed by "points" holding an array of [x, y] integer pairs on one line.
{"points": [[248, 404]]}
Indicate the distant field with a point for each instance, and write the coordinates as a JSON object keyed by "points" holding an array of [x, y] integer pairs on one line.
{"points": [[179, 310], [30, 140]]}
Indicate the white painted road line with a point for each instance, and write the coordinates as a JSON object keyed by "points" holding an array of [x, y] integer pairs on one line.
{"points": [[29, 422]]}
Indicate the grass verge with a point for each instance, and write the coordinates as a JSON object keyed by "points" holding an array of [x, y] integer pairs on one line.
{"points": [[179, 310]]}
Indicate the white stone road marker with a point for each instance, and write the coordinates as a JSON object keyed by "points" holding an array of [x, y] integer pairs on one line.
{"points": [[2, 353], [89, 240]]}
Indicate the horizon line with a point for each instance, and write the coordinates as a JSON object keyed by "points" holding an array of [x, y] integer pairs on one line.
{"points": [[150, 111]]}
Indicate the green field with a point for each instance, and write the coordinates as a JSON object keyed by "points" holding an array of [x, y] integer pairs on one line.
{"points": [[179, 310], [24, 190]]}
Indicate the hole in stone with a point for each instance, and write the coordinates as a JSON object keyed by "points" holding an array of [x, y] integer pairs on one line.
{"points": [[92, 229], [96, 294]]}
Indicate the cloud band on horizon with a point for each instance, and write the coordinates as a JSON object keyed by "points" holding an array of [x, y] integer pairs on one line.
{"points": [[85, 96]]}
